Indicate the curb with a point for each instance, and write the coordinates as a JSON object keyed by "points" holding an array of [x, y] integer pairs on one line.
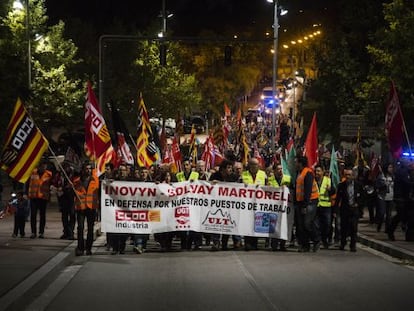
{"points": [[386, 248]]}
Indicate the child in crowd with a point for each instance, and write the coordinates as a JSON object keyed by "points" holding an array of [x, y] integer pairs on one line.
{"points": [[21, 210]]}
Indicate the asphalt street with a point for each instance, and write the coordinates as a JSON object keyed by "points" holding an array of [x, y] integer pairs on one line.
{"points": [[228, 280]]}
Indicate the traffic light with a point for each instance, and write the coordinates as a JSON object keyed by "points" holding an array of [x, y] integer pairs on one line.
{"points": [[163, 55], [227, 55]]}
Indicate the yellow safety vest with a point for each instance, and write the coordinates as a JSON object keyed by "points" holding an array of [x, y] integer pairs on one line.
{"points": [[284, 182], [324, 198], [181, 176], [260, 178]]}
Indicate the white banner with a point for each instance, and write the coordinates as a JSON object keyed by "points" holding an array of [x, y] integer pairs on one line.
{"points": [[228, 208]]}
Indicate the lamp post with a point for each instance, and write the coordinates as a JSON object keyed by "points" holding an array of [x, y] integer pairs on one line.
{"points": [[274, 72]]}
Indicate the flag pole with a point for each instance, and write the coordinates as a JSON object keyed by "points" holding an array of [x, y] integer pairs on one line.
{"points": [[405, 131], [64, 172]]}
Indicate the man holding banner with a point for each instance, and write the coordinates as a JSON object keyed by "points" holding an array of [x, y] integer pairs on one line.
{"points": [[253, 176]]}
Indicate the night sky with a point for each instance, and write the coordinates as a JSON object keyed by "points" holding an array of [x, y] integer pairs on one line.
{"points": [[190, 16]]}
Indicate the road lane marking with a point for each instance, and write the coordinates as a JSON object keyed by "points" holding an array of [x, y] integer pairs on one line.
{"points": [[54, 289], [254, 285]]}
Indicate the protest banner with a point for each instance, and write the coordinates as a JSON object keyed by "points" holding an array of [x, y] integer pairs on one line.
{"points": [[228, 208]]}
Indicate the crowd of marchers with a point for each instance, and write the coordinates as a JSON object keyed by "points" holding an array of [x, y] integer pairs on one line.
{"points": [[326, 215]]}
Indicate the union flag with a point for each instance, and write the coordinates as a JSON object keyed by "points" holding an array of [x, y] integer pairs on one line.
{"points": [[24, 145]]}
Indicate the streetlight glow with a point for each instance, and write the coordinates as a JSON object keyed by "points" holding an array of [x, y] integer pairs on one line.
{"points": [[18, 5]]}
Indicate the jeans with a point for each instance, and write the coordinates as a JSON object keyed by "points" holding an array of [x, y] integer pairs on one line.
{"points": [[384, 209], [89, 215], [307, 226], [140, 240], [324, 220], [38, 205], [401, 216], [349, 227]]}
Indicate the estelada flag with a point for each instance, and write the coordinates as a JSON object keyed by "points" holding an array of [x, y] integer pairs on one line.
{"points": [[311, 144], [98, 145], [24, 145]]}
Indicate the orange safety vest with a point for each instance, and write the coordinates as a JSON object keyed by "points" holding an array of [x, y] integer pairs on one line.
{"points": [[300, 186], [39, 186], [87, 198]]}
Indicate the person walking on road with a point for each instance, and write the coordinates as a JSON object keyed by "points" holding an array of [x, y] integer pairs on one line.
{"points": [[402, 189], [86, 204], [65, 194], [189, 237], [306, 199], [224, 174], [385, 196], [21, 210], [39, 195], [324, 211], [253, 176], [349, 198], [277, 179]]}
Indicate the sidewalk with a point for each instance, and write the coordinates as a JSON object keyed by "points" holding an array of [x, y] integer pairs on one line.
{"points": [[368, 235]]}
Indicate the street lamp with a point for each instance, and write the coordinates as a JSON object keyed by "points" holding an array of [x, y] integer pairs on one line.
{"points": [[164, 15], [274, 74], [18, 5]]}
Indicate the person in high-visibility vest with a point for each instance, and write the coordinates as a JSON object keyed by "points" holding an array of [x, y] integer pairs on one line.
{"points": [[187, 173], [86, 186], [277, 179], [324, 211], [39, 196], [253, 176], [189, 237], [306, 200]]}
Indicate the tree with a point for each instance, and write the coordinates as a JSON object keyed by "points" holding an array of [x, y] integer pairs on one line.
{"points": [[344, 63], [392, 58], [221, 83], [55, 97]]}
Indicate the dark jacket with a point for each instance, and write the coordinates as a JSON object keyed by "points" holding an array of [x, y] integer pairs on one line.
{"points": [[342, 205]]}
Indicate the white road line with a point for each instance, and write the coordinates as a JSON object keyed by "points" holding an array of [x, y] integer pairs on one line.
{"points": [[18, 291], [254, 285], [54, 289]]}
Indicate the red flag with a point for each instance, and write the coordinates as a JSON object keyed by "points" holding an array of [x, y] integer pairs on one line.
{"points": [[97, 138], [227, 112], [176, 154], [394, 123], [24, 145], [374, 167], [259, 157], [311, 144], [98, 146], [211, 155]]}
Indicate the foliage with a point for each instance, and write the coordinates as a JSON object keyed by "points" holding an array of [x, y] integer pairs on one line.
{"points": [[55, 96], [344, 63], [220, 83], [392, 58]]}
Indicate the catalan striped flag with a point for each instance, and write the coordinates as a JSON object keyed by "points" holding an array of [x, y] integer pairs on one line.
{"points": [[147, 151], [24, 145]]}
